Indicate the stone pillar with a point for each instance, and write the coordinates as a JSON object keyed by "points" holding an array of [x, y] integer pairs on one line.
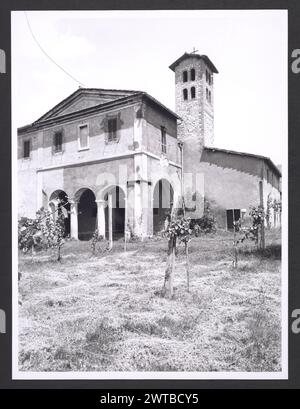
{"points": [[125, 215], [139, 201], [141, 195], [74, 219], [110, 225], [101, 217], [39, 191]]}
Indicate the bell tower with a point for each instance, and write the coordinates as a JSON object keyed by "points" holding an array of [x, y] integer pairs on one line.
{"points": [[194, 97], [194, 102]]}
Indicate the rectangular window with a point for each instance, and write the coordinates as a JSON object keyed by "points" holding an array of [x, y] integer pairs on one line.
{"points": [[26, 149], [83, 136], [232, 215], [58, 140], [112, 129], [163, 140]]}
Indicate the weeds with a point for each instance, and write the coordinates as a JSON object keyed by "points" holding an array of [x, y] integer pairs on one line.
{"points": [[87, 314]]}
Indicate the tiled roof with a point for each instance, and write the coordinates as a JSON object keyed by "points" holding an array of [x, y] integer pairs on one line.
{"points": [[201, 57]]}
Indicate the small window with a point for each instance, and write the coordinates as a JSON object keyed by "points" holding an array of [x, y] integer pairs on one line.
{"points": [[185, 94], [193, 74], [112, 129], [163, 140], [184, 76], [208, 77], [193, 92], [208, 95], [58, 140], [83, 136], [26, 149]]}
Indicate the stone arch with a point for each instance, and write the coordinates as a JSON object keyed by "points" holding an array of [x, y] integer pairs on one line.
{"points": [[86, 213], [163, 202], [118, 210], [59, 203]]}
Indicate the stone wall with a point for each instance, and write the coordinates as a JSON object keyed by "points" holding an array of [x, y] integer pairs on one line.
{"points": [[196, 129], [232, 182]]}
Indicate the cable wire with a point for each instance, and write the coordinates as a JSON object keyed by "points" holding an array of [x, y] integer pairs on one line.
{"points": [[47, 55]]}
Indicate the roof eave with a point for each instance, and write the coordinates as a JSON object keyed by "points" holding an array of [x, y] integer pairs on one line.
{"points": [[97, 108], [162, 106], [199, 56], [253, 155]]}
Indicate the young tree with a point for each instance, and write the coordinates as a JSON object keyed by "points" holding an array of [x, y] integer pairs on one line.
{"points": [[177, 230], [253, 232]]}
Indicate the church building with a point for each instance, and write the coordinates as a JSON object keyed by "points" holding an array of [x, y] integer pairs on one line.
{"points": [[122, 158]]}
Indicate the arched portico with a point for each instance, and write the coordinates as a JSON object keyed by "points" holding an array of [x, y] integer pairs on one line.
{"points": [[59, 204], [84, 207], [163, 201], [111, 212]]}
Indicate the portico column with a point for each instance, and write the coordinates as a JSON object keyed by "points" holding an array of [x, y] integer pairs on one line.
{"points": [[110, 225], [101, 217], [74, 219]]}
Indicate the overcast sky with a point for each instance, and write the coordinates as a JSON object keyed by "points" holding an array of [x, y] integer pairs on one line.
{"points": [[133, 50]]}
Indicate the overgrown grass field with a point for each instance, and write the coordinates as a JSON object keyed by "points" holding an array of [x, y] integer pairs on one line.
{"points": [[103, 312]]}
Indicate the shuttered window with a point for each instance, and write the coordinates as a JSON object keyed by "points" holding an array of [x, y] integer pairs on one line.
{"points": [[112, 126], [58, 141], [26, 149], [83, 136]]}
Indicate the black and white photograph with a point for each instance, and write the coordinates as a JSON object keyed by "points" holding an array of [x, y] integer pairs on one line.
{"points": [[149, 193]]}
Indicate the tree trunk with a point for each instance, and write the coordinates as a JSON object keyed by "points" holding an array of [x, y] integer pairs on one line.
{"points": [[58, 253], [168, 289], [110, 225], [235, 261], [262, 226], [187, 264]]}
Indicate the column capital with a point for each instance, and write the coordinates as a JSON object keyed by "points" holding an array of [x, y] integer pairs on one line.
{"points": [[100, 201], [73, 202]]}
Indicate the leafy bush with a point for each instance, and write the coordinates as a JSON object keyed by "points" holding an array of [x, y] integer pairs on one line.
{"points": [[253, 232], [28, 233], [98, 243], [179, 228], [43, 232], [206, 224]]}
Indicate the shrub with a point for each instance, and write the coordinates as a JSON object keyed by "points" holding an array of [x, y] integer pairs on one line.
{"points": [[206, 224], [99, 243], [43, 232]]}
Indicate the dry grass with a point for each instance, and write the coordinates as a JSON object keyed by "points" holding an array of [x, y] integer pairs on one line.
{"points": [[102, 313]]}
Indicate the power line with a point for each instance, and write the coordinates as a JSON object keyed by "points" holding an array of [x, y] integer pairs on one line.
{"points": [[47, 55]]}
